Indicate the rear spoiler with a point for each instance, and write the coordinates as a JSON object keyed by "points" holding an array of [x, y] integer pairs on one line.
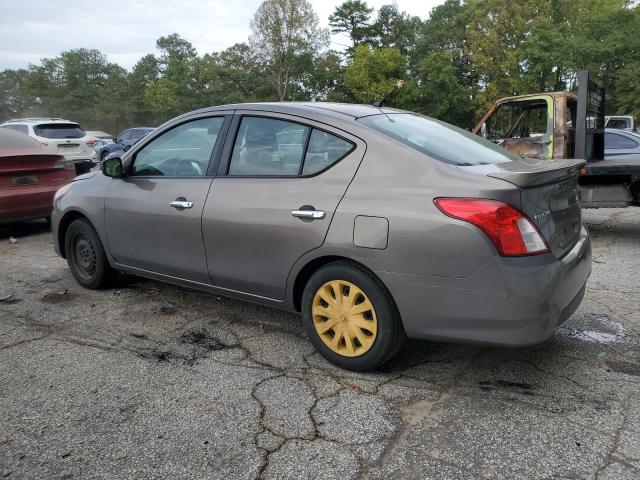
{"points": [[542, 173]]}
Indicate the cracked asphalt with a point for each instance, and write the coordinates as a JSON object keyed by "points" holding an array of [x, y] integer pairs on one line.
{"points": [[148, 381]]}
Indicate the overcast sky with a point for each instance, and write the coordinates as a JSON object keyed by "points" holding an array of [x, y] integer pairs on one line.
{"points": [[127, 29]]}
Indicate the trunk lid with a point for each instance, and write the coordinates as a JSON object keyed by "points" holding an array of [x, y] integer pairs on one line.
{"points": [[549, 195], [26, 167]]}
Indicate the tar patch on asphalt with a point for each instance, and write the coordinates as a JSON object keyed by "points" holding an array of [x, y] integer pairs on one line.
{"points": [[202, 338], [523, 388], [627, 368], [190, 347]]}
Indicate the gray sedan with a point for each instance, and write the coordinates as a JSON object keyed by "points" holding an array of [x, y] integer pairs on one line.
{"points": [[621, 144], [373, 223]]}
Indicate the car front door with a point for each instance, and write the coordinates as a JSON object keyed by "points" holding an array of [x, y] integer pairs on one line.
{"points": [[123, 138], [153, 215], [277, 189]]}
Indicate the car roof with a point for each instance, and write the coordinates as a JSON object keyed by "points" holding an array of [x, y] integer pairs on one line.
{"points": [[37, 120], [352, 110]]}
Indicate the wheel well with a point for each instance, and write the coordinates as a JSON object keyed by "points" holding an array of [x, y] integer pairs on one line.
{"points": [[62, 228], [309, 269]]}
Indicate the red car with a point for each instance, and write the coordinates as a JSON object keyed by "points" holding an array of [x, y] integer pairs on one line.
{"points": [[29, 177]]}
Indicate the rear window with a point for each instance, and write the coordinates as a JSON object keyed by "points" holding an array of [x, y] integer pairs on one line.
{"points": [[438, 139], [18, 128], [59, 130], [620, 123]]}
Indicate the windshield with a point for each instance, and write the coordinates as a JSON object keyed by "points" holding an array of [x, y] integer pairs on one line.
{"points": [[437, 139], [59, 130]]}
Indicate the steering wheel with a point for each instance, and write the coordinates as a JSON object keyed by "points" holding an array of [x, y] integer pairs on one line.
{"points": [[188, 167]]}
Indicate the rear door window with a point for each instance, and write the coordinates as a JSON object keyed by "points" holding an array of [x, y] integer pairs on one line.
{"points": [[268, 147], [59, 130], [323, 151]]}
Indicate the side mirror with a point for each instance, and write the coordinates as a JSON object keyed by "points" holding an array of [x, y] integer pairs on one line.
{"points": [[112, 167], [483, 130]]}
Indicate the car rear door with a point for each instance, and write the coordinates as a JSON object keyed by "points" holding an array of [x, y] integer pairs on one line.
{"points": [[153, 215], [278, 186]]}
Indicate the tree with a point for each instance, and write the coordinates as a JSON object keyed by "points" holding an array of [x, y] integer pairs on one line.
{"points": [[177, 89], [373, 73], [283, 32], [396, 29], [233, 76], [14, 101], [441, 92], [353, 18], [145, 72]]}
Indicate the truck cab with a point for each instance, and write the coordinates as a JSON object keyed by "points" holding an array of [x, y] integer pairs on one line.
{"points": [[566, 125], [536, 126]]}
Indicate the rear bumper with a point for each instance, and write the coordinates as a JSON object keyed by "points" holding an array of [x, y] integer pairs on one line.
{"points": [[28, 202], [509, 301]]}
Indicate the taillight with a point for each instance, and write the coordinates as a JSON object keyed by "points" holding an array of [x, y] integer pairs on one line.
{"points": [[510, 230], [91, 143], [65, 164]]}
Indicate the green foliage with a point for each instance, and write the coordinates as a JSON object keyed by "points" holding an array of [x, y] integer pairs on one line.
{"points": [[373, 73], [441, 92], [456, 63], [395, 29]]}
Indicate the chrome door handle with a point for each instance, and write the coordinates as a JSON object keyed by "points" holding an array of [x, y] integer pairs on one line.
{"points": [[311, 214], [181, 204]]}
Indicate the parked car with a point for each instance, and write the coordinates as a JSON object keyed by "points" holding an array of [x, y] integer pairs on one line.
{"points": [[119, 152], [123, 141], [620, 122], [58, 136], [373, 223], [621, 144], [29, 177], [99, 139]]}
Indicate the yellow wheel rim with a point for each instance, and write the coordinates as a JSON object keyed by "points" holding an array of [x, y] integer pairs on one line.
{"points": [[344, 318]]}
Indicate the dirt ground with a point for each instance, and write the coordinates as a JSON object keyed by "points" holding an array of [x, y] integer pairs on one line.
{"points": [[152, 381]]}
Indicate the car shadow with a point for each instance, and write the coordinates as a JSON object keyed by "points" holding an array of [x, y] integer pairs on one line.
{"points": [[24, 228]]}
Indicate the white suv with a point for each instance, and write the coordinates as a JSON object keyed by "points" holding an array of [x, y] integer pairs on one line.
{"points": [[59, 136]]}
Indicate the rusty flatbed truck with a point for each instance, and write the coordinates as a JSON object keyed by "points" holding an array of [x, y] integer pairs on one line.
{"points": [[565, 125]]}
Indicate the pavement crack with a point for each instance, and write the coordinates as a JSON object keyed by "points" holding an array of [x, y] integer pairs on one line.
{"points": [[610, 458]]}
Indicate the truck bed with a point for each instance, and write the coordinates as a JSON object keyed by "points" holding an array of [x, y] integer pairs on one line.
{"points": [[614, 166], [610, 182]]}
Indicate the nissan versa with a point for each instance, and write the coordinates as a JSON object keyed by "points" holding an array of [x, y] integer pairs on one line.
{"points": [[373, 223]]}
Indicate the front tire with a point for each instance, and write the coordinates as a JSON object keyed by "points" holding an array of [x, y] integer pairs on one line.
{"points": [[351, 317], [86, 257]]}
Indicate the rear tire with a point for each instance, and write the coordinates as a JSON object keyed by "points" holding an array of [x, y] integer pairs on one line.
{"points": [[351, 317], [86, 257]]}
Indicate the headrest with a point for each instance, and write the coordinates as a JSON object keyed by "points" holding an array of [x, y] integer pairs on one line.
{"points": [[260, 139]]}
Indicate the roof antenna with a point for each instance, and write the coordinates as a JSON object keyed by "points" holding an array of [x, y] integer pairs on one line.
{"points": [[399, 85]]}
